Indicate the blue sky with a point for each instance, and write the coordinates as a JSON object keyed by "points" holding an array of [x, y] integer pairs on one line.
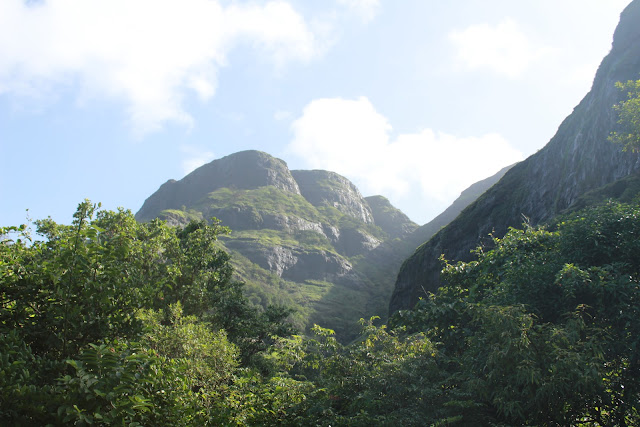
{"points": [[411, 99]]}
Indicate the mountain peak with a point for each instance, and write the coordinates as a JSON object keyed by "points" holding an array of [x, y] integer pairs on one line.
{"points": [[242, 170], [321, 187]]}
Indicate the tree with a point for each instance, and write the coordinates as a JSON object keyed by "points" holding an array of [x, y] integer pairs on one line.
{"points": [[109, 320], [628, 117], [543, 329]]}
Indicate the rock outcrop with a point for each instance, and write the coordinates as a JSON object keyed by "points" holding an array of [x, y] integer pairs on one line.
{"points": [[579, 158], [324, 188]]}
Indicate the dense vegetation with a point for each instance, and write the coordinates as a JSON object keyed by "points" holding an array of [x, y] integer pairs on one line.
{"points": [[110, 321], [628, 111]]}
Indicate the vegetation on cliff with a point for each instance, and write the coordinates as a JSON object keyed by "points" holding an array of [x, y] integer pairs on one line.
{"points": [[628, 117]]}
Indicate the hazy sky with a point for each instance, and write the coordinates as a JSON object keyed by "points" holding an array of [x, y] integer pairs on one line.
{"points": [[411, 99]]}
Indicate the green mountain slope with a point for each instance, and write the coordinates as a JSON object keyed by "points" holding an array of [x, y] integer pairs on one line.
{"points": [[296, 235]]}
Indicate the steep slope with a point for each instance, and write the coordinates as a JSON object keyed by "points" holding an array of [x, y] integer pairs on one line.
{"points": [[467, 197], [576, 160], [295, 234], [381, 265]]}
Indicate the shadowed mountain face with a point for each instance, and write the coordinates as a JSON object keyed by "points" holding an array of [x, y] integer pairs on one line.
{"points": [[578, 159], [306, 239]]}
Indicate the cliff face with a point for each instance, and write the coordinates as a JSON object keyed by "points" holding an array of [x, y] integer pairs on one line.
{"points": [[579, 158], [324, 188]]}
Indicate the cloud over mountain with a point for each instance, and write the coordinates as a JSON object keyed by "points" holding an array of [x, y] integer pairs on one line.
{"points": [[350, 137]]}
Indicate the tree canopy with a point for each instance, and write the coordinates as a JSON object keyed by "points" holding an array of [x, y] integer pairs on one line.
{"points": [[109, 321], [628, 117]]}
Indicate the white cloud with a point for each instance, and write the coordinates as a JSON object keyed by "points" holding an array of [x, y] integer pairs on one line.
{"points": [[503, 48], [365, 9], [151, 54], [195, 157], [350, 137]]}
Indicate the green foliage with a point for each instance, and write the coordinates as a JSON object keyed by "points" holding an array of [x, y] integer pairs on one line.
{"points": [[127, 384], [84, 282], [628, 117], [24, 399], [543, 328], [212, 359], [382, 379], [269, 198], [108, 321]]}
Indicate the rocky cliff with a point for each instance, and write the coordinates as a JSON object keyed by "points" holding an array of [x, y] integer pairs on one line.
{"points": [[578, 159]]}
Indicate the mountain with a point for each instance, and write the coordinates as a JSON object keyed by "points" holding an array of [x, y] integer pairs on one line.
{"points": [[304, 238], [577, 160], [296, 235], [381, 265]]}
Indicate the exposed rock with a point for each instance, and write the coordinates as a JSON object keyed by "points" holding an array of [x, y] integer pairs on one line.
{"points": [[293, 263], [318, 265], [275, 259], [579, 158], [355, 242], [290, 223], [238, 217], [332, 233], [330, 189], [175, 219]]}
